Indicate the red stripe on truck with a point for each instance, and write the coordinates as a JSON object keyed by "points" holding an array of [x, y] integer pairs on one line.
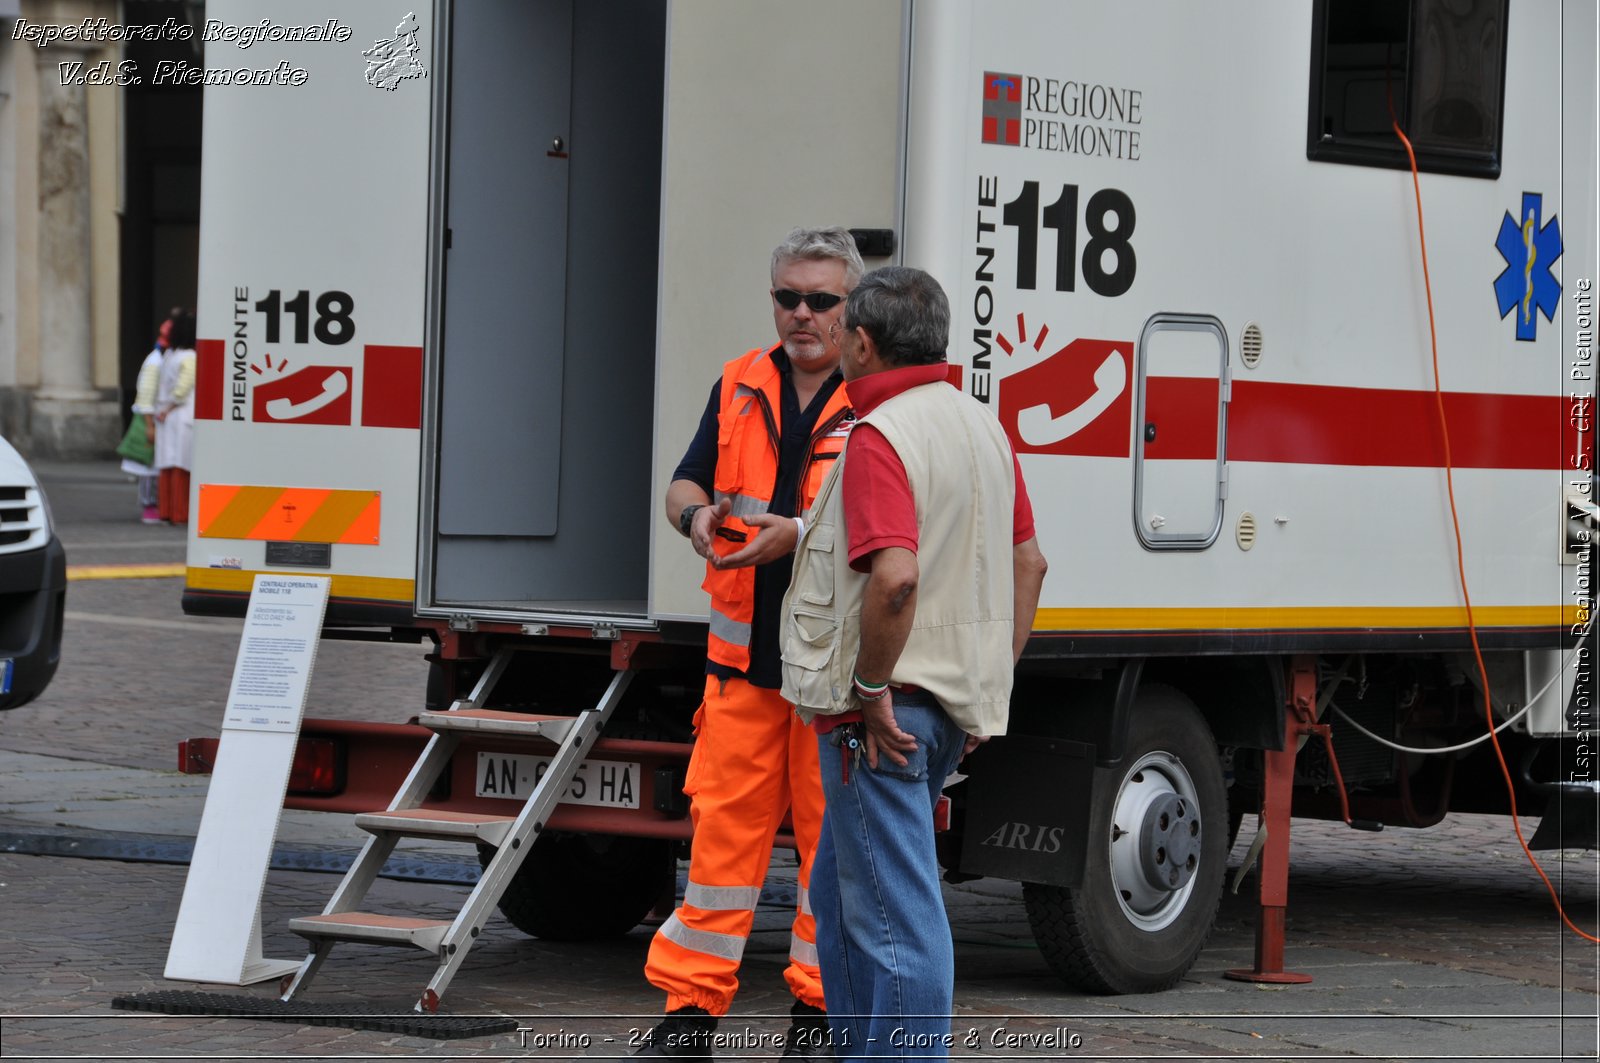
{"points": [[391, 387], [1311, 425], [208, 376]]}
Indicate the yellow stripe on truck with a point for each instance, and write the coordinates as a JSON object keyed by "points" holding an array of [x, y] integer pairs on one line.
{"points": [[288, 514], [1309, 618], [369, 588]]}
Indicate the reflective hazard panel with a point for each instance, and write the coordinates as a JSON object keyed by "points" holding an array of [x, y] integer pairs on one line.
{"points": [[288, 514]]}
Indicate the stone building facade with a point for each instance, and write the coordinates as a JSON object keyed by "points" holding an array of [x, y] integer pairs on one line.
{"points": [[59, 217]]}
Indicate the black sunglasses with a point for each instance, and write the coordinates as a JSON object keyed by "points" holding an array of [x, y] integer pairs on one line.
{"points": [[789, 299]]}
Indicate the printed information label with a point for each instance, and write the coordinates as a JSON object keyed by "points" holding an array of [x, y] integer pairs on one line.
{"points": [[276, 653]]}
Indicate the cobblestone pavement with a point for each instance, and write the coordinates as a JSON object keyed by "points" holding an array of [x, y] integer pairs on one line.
{"points": [[1427, 945], [105, 706]]}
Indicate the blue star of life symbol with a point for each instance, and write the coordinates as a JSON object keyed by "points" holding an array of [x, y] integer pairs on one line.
{"points": [[1530, 250]]}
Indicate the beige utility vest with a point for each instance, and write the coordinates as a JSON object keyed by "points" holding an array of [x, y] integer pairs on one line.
{"points": [[963, 481]]}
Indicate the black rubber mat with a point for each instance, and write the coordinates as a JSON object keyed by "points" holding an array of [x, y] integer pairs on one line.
{"points": [[384, 1018]]}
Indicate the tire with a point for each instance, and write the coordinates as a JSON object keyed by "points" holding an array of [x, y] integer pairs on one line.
{"points": [[1144, 910], [582, 887]]}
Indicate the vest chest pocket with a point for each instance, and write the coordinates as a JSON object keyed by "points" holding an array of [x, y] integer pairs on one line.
{"points": [[729, 474], [813, 574]]}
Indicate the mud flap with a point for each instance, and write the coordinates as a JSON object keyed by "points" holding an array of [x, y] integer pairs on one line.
{"points": [[1027, 815], [1569, 820]]}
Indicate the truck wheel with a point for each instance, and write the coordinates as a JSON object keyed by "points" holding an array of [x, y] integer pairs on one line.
{"points": [[1157, 852], [579, 887]]}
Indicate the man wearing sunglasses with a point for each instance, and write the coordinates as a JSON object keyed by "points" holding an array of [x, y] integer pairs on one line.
{"points": [[776, 420]]}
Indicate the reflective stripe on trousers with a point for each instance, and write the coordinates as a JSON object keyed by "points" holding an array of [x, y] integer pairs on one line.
{"points": [[753, 760]]}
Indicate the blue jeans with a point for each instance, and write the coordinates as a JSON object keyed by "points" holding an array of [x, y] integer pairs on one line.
{"points": [[883, 940]]}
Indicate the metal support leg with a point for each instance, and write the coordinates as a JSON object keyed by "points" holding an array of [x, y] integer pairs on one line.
{"points": [[1277, 794], [291, 983]]}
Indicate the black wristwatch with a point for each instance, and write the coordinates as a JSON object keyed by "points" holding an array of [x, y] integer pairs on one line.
{"points": [[686, 518]]}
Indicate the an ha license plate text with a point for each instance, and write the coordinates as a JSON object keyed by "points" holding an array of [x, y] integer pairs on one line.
{"points": [[603, 783]]}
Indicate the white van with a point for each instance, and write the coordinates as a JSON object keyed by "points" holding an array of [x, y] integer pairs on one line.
{"points": [[33, 584]]}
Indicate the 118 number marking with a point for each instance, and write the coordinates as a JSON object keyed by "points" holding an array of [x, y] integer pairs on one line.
{"points": [[333, 325], [1024, 215]]}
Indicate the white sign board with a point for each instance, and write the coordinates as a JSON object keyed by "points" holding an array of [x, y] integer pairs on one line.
{"points": [[217, 937], [276, 653]]}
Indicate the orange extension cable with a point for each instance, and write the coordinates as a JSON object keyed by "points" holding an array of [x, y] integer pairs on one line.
{"points": [[1461, 566]]}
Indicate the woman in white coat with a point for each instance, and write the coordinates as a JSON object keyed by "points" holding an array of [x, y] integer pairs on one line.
{"points": [[175, 417]]}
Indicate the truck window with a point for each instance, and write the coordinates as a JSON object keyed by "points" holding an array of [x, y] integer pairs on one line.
{"points": [[1440, 63]]}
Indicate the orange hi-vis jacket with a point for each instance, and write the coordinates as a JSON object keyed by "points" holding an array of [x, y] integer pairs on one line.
{"points": [[748, 440]]}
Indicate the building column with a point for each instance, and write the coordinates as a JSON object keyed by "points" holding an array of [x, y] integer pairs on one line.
{"points": [[70, 417]]}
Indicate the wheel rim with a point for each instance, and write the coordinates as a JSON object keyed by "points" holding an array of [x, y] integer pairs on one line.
{"points": [[1155, 841]]}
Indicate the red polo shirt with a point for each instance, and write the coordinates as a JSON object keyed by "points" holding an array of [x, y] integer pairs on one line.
{"points": [[878, 508]]}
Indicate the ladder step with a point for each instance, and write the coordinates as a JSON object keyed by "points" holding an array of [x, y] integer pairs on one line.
{"points": [[373, 929], [497, 721], [435, 823]]}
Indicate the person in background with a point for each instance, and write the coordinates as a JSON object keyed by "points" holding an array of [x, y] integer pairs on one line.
{"points": [[174, 414], [914, 591], [144, 406]]}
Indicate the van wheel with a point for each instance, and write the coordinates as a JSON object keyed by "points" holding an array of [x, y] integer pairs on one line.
{"points": [[580, 887], [1157, 852]]}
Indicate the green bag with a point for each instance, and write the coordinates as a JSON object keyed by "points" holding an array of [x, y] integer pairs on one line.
{"points": [[136, 444]]}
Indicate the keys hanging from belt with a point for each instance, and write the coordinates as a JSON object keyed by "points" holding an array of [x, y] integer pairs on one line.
{"points": [[847, 736]]}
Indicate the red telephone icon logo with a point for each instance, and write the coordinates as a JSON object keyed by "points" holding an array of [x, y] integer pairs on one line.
{"points": [[317, 394], [1077, 401]]}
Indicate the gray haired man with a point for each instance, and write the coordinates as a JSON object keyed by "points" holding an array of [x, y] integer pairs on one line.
{"points": [[776, 419], [914, 591]]}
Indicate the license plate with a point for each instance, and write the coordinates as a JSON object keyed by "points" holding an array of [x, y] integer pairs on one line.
{"points": [[6, 668], [603, 783]]}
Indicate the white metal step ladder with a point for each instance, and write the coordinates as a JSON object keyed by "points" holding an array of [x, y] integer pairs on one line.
{"points": [[513, 836]]}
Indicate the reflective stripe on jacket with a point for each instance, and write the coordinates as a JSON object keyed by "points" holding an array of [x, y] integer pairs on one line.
{"points": [[748, 440]]}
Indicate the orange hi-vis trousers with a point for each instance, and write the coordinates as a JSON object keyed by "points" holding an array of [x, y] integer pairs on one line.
{"points": [[753, 760]]}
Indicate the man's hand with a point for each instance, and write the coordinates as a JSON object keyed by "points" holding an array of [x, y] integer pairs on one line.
{"points": [[883, 733], [972, 742], [703, 528], [776, 537]]}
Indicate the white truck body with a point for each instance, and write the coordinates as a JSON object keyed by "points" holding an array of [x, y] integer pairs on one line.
{"points": [[1233, 223]]}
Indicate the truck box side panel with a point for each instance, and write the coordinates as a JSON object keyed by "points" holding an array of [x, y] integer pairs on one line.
{"points": [[776, 117], [1105, 180], [311, 308]]}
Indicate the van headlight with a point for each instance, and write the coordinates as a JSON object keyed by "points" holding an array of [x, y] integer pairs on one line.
{"points": [[44, 506]]}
